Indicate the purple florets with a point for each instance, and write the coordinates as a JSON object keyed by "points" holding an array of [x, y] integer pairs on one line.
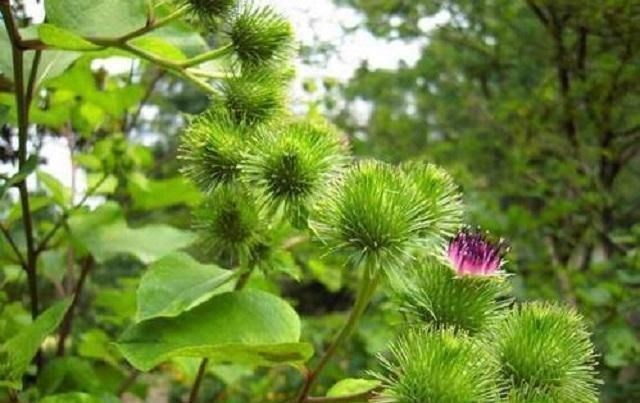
{"points": [[472, 253]]}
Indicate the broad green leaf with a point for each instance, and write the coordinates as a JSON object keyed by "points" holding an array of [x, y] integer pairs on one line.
{"points": [[250, 327], [154, 194], [177, 283], [62, 39], [180, 34], [105, 234], [105, 18], [158, 47], [353, 386], [59, 193], [17, 352]]}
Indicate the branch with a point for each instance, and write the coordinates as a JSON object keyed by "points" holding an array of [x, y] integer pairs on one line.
{"points": [[14, 246], [45, 241], [367, 288], [23, 125], [538, 12], [67, 321]]}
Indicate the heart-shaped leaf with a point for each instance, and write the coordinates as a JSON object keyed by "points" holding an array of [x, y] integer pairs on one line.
{"points": [[177, 283], [251, 327]]}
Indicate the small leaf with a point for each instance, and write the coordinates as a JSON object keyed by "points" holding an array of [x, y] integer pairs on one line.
{"points": [[59, 193], [353, 386], [28, 167], [177, 283], [251, 327], [62, 39], [17, 352]]}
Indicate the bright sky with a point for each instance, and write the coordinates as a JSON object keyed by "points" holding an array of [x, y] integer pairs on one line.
{"points": [[314, 21]]}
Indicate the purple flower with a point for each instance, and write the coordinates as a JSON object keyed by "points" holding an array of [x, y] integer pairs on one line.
{"points": [[471, 252]]}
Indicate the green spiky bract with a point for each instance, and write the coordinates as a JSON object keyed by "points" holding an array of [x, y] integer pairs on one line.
{"points": [[372, 214], [441, 197], [439, 366], [436, 296], [546, 355], [290, 166], [208, 10], [211, 150], [260, 36], [253, 98], [231, 224]]}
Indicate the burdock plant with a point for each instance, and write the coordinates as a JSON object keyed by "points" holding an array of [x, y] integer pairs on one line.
{"points": [[289, 166], [534, 353], [439, 365]]}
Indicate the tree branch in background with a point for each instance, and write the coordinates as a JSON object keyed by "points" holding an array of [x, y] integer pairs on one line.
{"points": [[67, 321], [42, 246]]}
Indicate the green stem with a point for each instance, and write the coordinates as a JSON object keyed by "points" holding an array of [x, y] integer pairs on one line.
{"points": [[195, 389], [210, 55], [154, 24], [23, 126], [367, 288]]}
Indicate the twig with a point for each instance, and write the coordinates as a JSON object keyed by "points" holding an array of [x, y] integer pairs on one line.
{"points": [[67, 321], [195, 389], [196, 384], [128, 382], [14, 246], [47, 238], [23, 123], [367, 288]]}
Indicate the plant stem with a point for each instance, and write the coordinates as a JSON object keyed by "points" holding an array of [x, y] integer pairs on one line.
{"points": [[196, 384], [23, 125], [45, 241], [210, 55], [367, 288], [67, 321], [14, 246], [242, 281]]}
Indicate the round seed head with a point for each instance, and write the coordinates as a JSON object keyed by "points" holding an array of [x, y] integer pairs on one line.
{"points": [[436, 296], [373, 215], [230, 223], [260, 36], [439, 365], [441, 198], [290, 166], [211, 150], [546, 353], [252, 99], [208, 10]]}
